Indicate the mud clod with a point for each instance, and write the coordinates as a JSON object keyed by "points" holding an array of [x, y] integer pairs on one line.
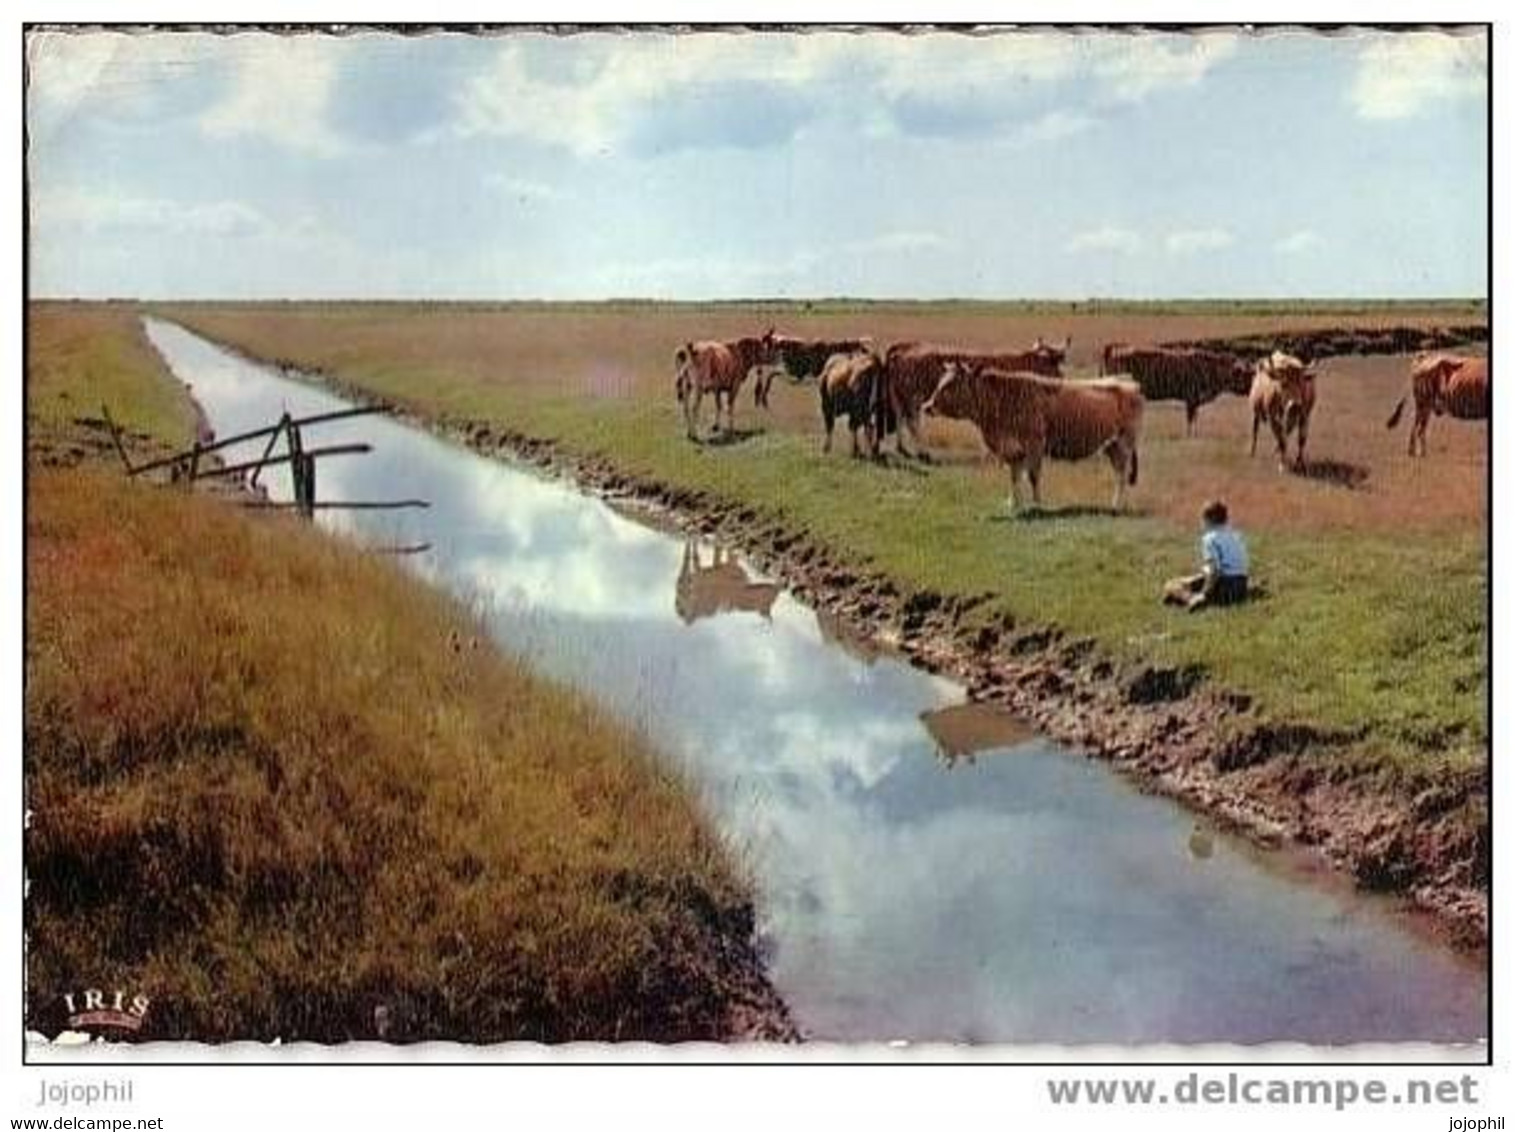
{"points": [[1164, 685]]}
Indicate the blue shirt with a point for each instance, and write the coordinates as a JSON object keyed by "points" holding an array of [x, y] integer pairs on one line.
{"points": [[1223, 548]]}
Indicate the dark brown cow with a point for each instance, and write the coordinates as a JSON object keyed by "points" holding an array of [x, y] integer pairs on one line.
{"points": [[803, 358], [1283, 394], [1194, 377], [852, 385], [1025, 417], [912, 371], [714, 367], [720, 587], [1444, 383], [1107, 357]]}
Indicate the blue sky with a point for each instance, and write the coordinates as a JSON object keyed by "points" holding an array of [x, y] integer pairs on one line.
{"points": [[1011, 165]]}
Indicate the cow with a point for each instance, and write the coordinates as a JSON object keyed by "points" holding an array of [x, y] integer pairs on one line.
{"points": [[1283, 394], [1025, 417], [803, 358], [1444, 383], [715, 367], [722, 586], [1195, 377], [852, 385], [912, 371], [1108, 357]]}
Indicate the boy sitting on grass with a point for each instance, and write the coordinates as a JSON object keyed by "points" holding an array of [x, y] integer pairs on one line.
{"points": [[1223, 554]]}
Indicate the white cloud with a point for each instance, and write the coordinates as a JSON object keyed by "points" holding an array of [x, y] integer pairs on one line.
{"points": [[581, 91], [97, 211], [1297, 243], [1122, 241], [1134, 67], [586, 92], [1403, 74], [280, 92], [119, 68], [797, 272], [1192, 241], [911, 240], [1054, 126]]}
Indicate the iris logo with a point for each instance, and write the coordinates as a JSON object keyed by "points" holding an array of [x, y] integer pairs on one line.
{"points": [[95, 1009]]}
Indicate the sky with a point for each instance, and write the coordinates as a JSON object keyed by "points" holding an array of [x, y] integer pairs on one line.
{"points": [[723, 164]]}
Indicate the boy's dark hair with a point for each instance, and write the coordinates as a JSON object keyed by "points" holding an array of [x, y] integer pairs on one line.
{"points": [[1215, 513]]}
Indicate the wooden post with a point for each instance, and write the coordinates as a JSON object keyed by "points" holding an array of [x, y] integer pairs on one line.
{"points": [[309, 507], [297, 466]]}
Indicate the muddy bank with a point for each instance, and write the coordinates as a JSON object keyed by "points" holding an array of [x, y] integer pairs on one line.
{"points": [[1169, 730], [1337, 342]]}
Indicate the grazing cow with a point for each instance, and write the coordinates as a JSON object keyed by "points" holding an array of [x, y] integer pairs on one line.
{"points": [[852, 385], [1109, 357], [912, 371], [1195, 377], [1025, 417], [720, 587], [1283, 394], [715, 367], [1444, 383], [803, 358]]}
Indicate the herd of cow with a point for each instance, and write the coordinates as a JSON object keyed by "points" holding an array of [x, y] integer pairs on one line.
{"points": [[1024, 408]]}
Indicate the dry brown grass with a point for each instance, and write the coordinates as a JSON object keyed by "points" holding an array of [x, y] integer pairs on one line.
{"points": [[277, 783], [82, 356], [269, 792]]}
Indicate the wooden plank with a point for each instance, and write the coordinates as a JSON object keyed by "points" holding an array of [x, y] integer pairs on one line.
{"points": [[223, 442], [329, 450], [115, 435], [338, 504], [268, 449]]}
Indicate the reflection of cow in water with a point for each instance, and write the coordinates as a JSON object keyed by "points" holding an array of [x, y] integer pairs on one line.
{"points": [[720, 587], [962, 731]]}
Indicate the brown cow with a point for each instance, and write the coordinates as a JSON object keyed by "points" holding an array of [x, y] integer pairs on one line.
{"points": [[1283, 394], [803, 358], [718, 367], [720, 587], [1444, 383], [1195, 377], [853, 385], [1025, 417], [1107, 357], [912, 371]]}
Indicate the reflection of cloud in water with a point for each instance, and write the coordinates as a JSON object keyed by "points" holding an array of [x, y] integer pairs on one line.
{"points": [[1029, 896]]}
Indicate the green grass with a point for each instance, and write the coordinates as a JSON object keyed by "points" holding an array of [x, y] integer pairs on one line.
{"points": [[1365, 633], [277, 784]]}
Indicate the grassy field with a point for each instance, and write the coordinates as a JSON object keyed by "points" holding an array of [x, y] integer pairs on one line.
{"points": [[81, 357], [1375, 567], [281, 788]]}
